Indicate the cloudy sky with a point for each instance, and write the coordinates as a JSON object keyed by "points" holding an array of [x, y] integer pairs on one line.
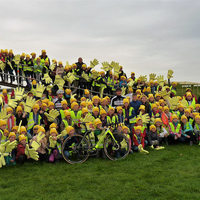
{"points": [[143, 36]]}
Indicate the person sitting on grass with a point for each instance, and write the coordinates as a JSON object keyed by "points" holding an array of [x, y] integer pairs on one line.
{"points": [[125, 131], [186, 130], [21, 156]]}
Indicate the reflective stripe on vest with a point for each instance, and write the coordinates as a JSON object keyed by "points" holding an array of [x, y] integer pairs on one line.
{"points": [[77, 117], [197, 126], [31, 122], [173, 128], [62, 114], [3, 139]]}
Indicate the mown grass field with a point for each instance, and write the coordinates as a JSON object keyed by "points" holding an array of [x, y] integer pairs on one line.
{"points": [[172, 173]]}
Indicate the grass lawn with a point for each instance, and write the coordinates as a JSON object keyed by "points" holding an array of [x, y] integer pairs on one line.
{"points": [[172, 173]]}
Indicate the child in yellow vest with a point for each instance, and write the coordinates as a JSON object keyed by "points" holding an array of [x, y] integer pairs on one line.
{"points": [[197, 128], [24, 132], [2, 128]]}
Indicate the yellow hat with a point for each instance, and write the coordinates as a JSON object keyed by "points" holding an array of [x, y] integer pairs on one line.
{"points": [[102, 111], [41, 129], [166, 108], [22, 129], [197, 105], [19, 108], [84, 110], [60, 63], [150, 95], [191, 108], [95, 97], [50, 103], [153, 106], [15, 128], [33, 53], [138, 128], [23, 55], [83, 99], [137, 119], [151, 81], [161, 101], [183, 117], [97, 121], [197, 117], [157, 95], [174, 83], [103, 99], [188, 94], [67, 113], [53, 130], [151, 127], [72, 100], [4, 91], [68, 91], [83, 103], [53, 125], [10, 51], [34, 82], [123, 77], [8, 109], [43, 105], [111, 108], [74, 104], [180, 106], [43, 51], [132, 73], [125, 101], [125, 127], [84, 66], [119, 108], [12, 134], [142, 107], [5, 131], [45, 101], [130, 89], [158, 120], [187, 110], [64, 102], [38, 58], [95, 109], [74, 65], [160, 107], [27, 56], [69, 128], [36, 127], [2, 122], [21, 137], [174, 117], [139, 79], [36, 106], [139, 91], [54, 61], [86, 91], [89, 103]]}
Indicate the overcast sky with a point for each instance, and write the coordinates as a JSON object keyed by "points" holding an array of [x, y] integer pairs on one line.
{"points": [[143, 36]]}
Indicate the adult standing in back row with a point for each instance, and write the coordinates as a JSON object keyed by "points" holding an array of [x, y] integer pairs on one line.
{"points": [[118, 99]]}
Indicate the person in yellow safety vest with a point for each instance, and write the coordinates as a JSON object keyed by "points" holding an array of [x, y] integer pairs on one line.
{"points": [[64, 105], [189, 115], [98, 132], [186, 131], [19, 71], [37, 69], [10, 58], [90, 107], [95, 113], [197, 128], [129, 114], [84, 113], [190, 101], [96, 100], [119, 116], [113, 117], [75, 115], [11, 121], [104, 104], [5, 95], [174, 129], [173, 88], [24, 132], [54, 146], [4, 137], [89, 82], [34, 118], [101, 82], [67, 121], [110, 82], [44, 57], [106, 121], [161, 131], [28, 70], [33, 58], [180, 111]]}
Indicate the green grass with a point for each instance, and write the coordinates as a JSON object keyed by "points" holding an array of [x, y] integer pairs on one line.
{"points": [[172, 173]]}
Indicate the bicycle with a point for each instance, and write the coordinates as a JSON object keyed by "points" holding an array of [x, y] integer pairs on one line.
{"points": [[77, 148]]}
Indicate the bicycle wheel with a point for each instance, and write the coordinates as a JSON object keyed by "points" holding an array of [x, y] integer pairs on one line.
{"points": [[118, 148], [75, 149]]}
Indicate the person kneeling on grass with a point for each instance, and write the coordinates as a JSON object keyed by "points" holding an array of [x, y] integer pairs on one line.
{"points": [[54, 146], [21, 156], [153, 138], [126, 131], [197, 128], [139, 139], [186, 130], [174, 129]]}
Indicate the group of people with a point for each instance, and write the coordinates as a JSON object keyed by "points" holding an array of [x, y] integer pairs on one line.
{"points": [[144, 112]]}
